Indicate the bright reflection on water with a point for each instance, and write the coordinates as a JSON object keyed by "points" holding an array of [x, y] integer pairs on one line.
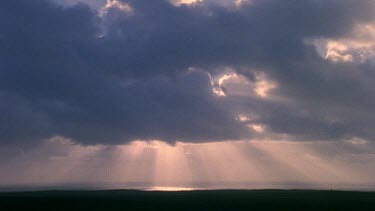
{"points": [[166, 188]]}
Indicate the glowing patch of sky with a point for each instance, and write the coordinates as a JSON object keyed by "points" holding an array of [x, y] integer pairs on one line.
{"points": [[246, 164]]}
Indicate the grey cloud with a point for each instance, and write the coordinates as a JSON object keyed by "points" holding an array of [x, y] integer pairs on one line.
{"points": [[65, 71]]}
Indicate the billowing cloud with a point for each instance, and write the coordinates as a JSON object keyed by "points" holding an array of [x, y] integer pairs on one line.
{"points": [[152, 70]]}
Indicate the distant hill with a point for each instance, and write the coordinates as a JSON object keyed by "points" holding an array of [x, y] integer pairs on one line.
{"points": [[188, 200]]}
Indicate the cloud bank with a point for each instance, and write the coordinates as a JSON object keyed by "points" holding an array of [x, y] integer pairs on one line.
{"points": [[197, 72]]}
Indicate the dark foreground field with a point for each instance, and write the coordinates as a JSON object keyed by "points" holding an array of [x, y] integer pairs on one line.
{"points": [[193, 200]]}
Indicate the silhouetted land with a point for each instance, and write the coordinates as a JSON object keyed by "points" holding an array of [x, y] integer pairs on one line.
{"points": [[188, 200]]}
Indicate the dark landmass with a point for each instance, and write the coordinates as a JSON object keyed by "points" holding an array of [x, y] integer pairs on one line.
{"points": [[188, 200]]}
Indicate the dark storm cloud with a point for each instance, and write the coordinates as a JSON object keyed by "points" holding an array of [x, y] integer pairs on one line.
{"points": [[66, 71]]}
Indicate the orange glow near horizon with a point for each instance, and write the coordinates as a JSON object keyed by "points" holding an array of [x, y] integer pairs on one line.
{"points": [[184, 165]]}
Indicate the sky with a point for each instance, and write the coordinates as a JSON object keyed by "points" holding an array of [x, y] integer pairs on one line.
{"points": [[188, 93]]}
